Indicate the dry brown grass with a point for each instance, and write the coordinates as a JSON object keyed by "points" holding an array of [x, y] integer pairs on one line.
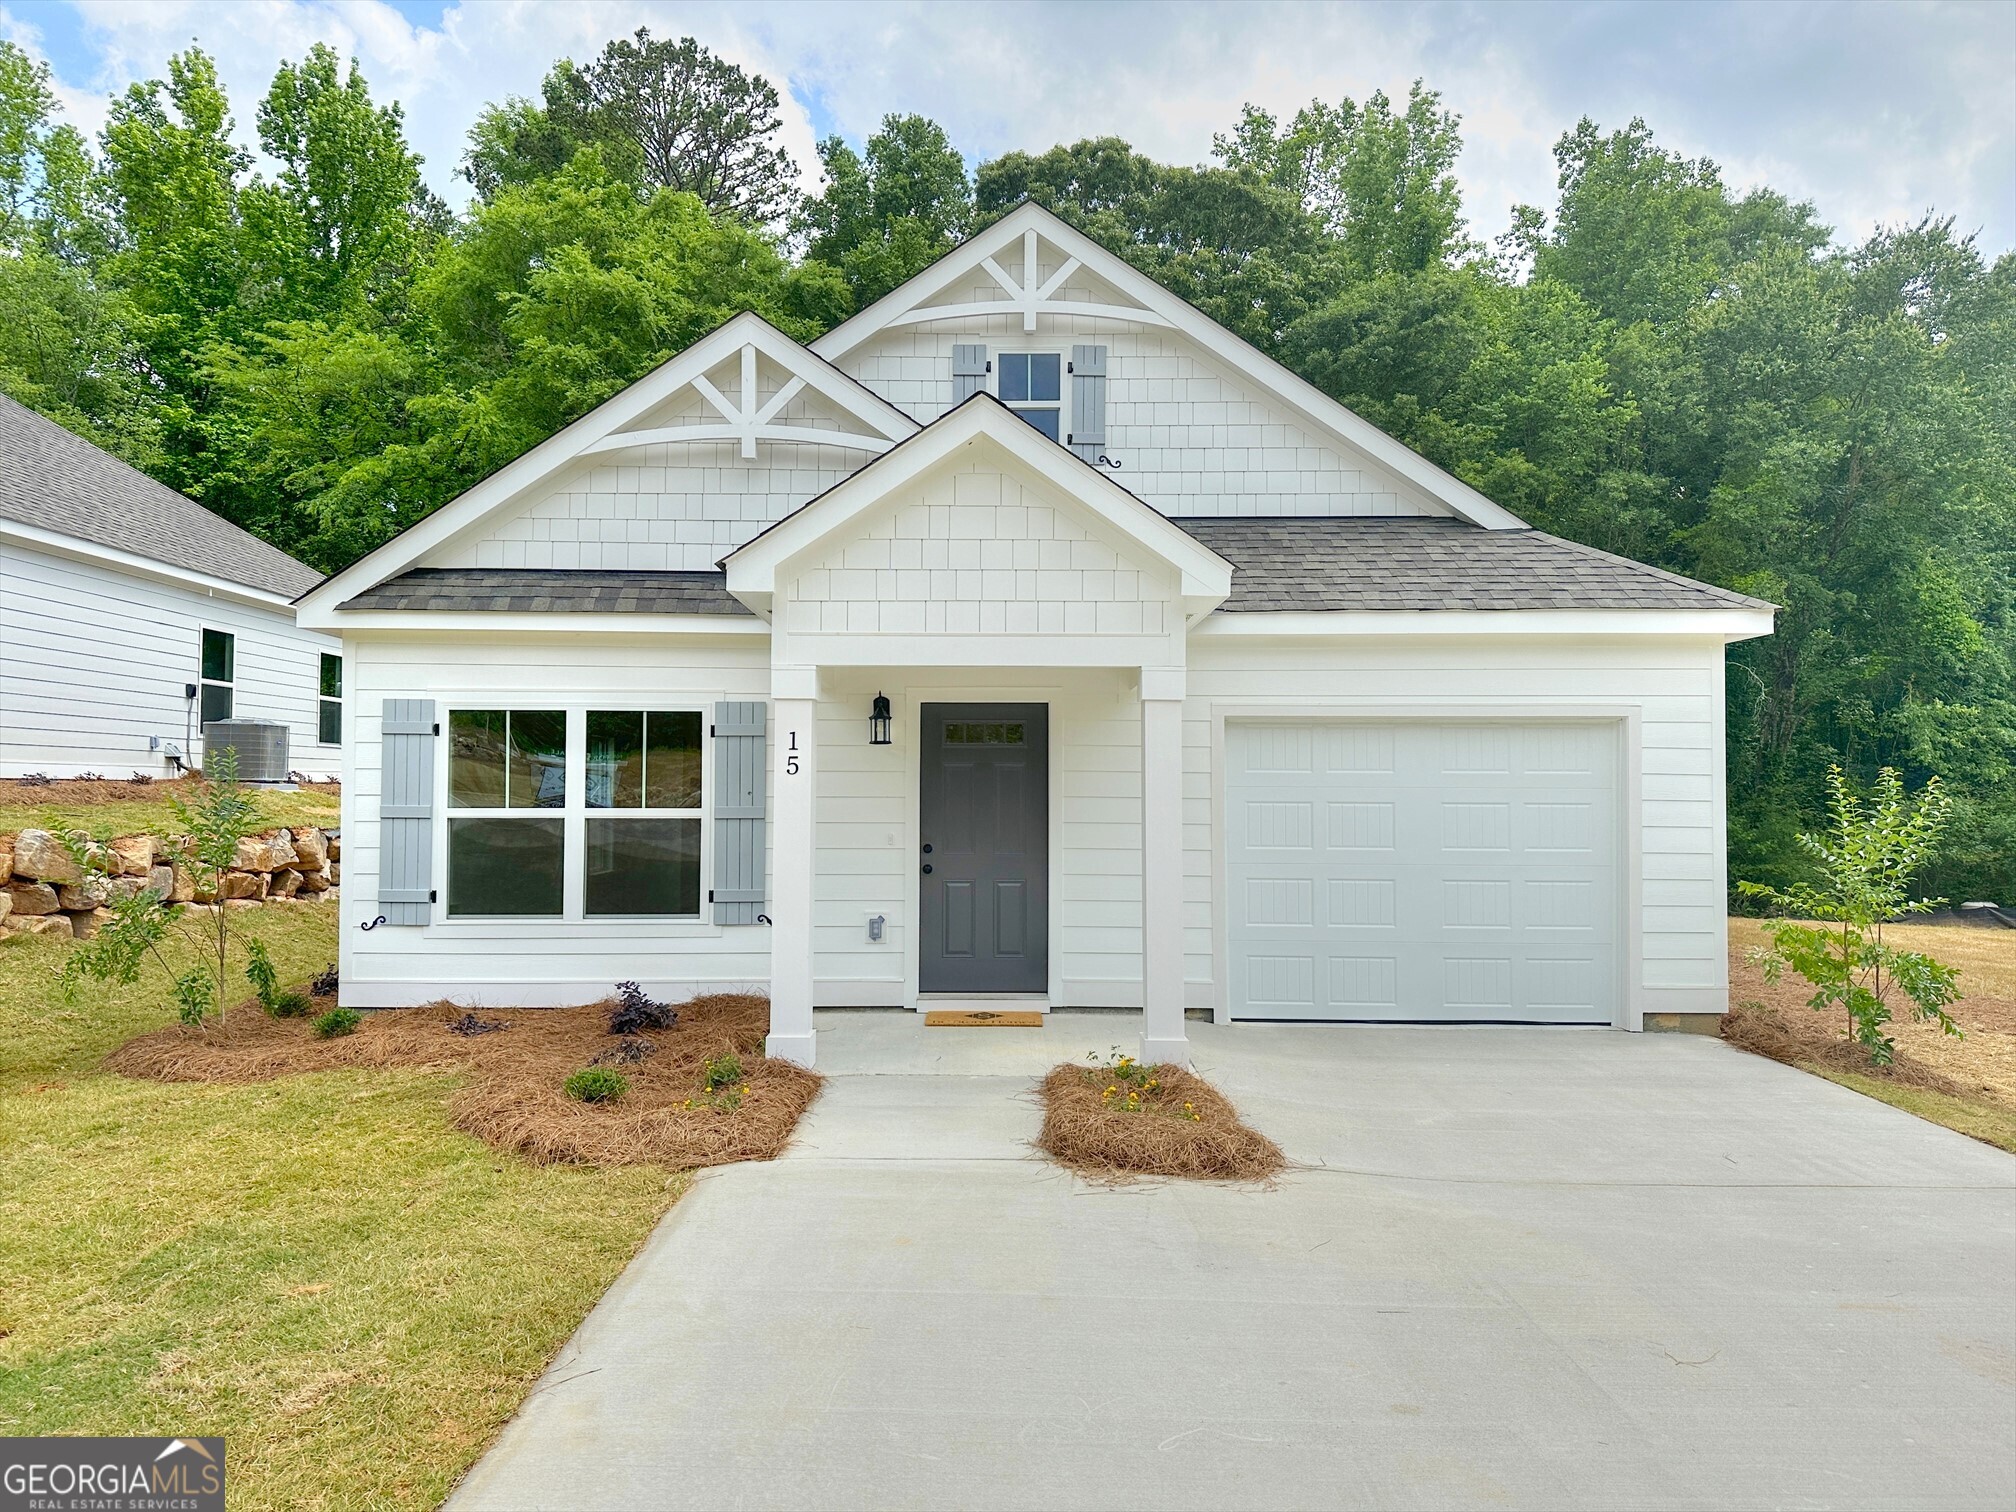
{"points": [[511, 1096], [1084, 1133], [1774, 1020]]}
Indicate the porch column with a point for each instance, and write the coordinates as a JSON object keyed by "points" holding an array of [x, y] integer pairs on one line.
{"points": [[793, 751], [1162, 1037]]}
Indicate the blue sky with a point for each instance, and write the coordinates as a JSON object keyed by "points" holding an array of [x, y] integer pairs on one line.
{"points": [[1875, 111]]}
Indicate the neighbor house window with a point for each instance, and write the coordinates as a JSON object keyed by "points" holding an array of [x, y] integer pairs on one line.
{"points": [[643, 795], [329, 724], [507, 786], [634, 813], [1032, 385], [220, 667]]}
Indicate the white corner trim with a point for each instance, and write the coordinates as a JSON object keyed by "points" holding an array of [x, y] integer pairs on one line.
{"points": [[59, 544]]}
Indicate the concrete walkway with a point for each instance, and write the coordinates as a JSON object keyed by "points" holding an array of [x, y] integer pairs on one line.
{"points": [[1523, 1268]]}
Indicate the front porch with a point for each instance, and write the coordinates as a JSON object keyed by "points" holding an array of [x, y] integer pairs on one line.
{"points": [[977, 566], [1074, 896]]}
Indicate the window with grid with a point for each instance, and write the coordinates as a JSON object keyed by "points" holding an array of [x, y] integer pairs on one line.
{"points": [[220, 673], [642, 837], [1032, 385], [632, 821], [507, 793], [329, 706]]}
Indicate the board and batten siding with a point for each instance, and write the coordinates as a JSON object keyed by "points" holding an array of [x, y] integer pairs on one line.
{"points": [[93, 661], [1673, 686], [531, 962]]}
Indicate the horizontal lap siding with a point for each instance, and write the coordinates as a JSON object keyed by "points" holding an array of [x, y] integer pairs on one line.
{"points": [[868, 848], [93, 662], [1676, 686], [540, 962]]}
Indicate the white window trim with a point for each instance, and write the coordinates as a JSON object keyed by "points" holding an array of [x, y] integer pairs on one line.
{"points": [[341, 700], [203, 682], [1036, 349], [573, 814]]}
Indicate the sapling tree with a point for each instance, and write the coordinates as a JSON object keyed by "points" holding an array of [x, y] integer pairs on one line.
{"points": [[1834, 935], [221, 814]]}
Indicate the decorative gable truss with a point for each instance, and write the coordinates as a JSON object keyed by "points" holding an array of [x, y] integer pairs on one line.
{"points": [[1037, 287], [695, 457], [775, 401], [1211, 424]]}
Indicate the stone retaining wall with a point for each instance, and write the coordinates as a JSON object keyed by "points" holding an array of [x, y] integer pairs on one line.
{"points": [[44, 891]]}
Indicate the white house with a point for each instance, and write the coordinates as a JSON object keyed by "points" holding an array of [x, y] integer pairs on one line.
{"points": [[1201, 694], [130, 615]]}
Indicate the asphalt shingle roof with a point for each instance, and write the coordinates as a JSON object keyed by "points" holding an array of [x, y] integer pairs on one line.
{"points": [[55, 480], [1389, 564], [1278, 564], [522, 590]]}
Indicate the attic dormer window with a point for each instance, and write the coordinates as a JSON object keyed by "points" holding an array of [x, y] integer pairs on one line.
{"points": [[1032, 385]]}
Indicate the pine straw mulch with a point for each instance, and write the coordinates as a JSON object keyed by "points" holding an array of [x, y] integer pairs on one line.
{"points": [[1087, 1133], [512, 1095], [1773, 1020]]}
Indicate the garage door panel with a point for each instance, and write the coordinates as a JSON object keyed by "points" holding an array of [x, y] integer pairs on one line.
{"points": [[1277, 825], [1455, 871], [1356, 750], [1364, 986]]}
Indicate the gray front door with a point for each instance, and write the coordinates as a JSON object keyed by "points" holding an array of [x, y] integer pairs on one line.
{"points": [[984, 791]]}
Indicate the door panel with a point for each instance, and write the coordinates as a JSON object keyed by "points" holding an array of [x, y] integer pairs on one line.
{"points": [[1463, 870], [983, 776]]}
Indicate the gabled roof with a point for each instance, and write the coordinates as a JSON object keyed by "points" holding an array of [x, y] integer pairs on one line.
{"points": [[609, 427], [1329, 564], [983, 421], [52, 480], [1151, 304]]}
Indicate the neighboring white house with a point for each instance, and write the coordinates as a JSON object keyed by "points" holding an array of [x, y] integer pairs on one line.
{"points": [[129, 615], [1201, 693]]}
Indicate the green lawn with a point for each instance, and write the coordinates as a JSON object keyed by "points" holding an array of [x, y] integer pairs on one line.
{"points": [[147, 810], [320, 1268]]}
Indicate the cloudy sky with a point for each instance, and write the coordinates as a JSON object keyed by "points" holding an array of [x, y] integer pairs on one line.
{"points": [[1876, 111]]}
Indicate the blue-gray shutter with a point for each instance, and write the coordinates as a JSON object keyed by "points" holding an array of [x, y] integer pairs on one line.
{"points": [[406, 811], [1088, 402], [969, 372], [737, 894]]}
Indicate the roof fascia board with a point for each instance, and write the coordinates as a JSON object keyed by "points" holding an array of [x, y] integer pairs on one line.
{"points": [[1725, 624], [752, 567], [517, 478], [1310, 402], [549, 622], [58, 544]]}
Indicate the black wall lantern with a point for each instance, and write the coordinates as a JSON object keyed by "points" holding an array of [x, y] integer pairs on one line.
{"points": [[878, 722]]}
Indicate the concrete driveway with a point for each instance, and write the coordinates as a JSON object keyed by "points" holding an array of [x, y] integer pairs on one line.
{"points": [[1523, 1268]]}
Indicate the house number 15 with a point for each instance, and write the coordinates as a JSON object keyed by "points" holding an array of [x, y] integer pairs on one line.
{"points": [[791, 757]]}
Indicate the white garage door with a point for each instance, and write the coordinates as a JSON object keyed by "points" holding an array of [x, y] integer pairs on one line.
{"points": [[1461, 871]]}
